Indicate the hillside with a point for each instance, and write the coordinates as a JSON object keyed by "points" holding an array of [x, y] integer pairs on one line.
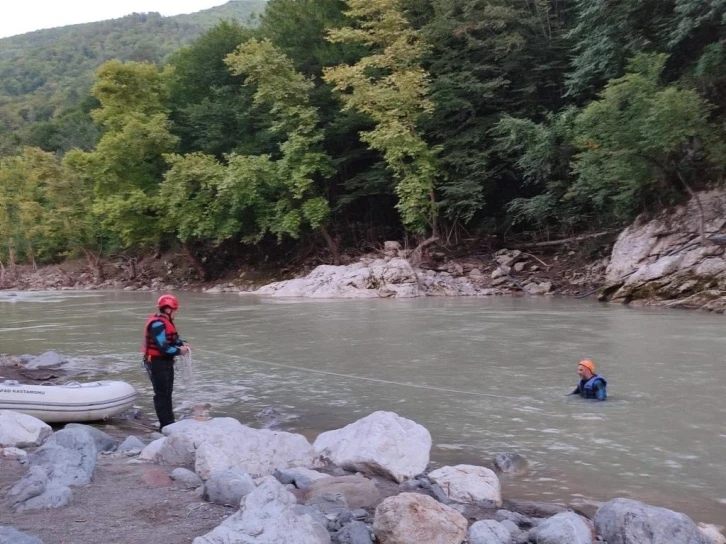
{"points": [[47, 71]]}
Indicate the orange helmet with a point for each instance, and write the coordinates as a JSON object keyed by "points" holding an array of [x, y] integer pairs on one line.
{"points": [[168, 300], [588, 364]]}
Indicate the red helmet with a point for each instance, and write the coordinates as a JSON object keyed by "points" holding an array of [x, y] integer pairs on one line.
{"points": [[168, 300]]}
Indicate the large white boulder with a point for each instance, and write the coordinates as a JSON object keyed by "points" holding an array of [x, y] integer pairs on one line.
{"points": [[412, 518], [625, 521], [469, 484], [224, 443], [21, 430], [662, 257], [266, 516], [382, 443], [389, 277]]}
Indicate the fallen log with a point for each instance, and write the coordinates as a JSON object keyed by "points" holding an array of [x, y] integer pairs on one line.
{"points": [[564, 240]]}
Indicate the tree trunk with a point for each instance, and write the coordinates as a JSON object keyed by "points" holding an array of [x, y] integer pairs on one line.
{"points": [[96, 264], [434, 216], [565, 240], [417, 254], [12, 263], [333, 245]]}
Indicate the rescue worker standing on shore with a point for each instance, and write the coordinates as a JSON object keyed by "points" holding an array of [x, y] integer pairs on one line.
{"points": [[591, 386], [161, 345]]}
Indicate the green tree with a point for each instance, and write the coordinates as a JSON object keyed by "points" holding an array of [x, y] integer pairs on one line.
{"points": [[607, 34], [488, 59], [127, 165], [44, 208], [643, 142], [298, 28], [21, 217], [391, 87], [301, 160], [542, 155], [253, 195], [211, 109]]}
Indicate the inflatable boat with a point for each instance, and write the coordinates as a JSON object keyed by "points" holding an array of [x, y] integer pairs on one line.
{"points": [[70, 402]]}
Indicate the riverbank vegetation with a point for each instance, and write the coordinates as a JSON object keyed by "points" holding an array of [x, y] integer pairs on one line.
{"points": [[338, 124]]}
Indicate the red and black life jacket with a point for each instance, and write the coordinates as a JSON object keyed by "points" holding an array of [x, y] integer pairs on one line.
{"points": [[149, 347]]}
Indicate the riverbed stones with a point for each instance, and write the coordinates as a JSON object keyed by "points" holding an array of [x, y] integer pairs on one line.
{"points": [[267, 516], [625, 521], [564, 528], [131, 444], [185, 478], [510, 463], [103, 441], [359, 492], [412, 518], [355, 532], [21, 430], [382, 443], [228, 487], [49, 359], [469, 484], [489, 532], [301, 477], [67, 458]]}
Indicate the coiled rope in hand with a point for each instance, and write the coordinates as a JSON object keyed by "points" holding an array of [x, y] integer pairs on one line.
{"points": [[186, 366]]}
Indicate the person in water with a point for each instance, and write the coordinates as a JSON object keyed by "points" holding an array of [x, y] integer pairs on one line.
{"points": [[161, 345], [591, 386]]}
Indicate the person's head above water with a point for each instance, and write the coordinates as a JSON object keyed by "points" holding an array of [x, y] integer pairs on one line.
{"points": [[586, 369]]}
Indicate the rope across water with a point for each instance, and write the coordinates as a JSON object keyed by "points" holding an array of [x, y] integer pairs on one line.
{"points": [[363, 378]]}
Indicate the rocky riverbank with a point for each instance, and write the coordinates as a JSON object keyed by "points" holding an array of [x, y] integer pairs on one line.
{"points": [[664, 260], [387, 273], [217, 481], [661, 260]]}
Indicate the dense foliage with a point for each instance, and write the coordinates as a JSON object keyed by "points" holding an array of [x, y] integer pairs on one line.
{"points": [[46, 75], [338, 122]]}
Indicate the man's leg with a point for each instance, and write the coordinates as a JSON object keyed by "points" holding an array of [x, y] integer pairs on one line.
{"points": [[162, 379]]}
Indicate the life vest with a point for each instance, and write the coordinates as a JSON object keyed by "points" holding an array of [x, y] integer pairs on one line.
{"points": [[587, 388], [149, 347]]}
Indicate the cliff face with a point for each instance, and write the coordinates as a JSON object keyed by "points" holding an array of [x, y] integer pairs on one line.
{"points": [[661, 260]]}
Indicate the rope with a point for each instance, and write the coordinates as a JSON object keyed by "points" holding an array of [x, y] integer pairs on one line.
{"points": [[363, 378], [186, 366]]}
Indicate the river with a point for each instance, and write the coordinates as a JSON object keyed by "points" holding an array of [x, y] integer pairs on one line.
{"points": [[484, 375]]}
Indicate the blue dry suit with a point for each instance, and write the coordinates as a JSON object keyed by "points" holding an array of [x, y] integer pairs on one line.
{"points": [[594, 388], [157, 331]]}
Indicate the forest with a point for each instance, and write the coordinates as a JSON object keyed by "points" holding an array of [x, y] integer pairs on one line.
{"points": [[339, 124]]}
